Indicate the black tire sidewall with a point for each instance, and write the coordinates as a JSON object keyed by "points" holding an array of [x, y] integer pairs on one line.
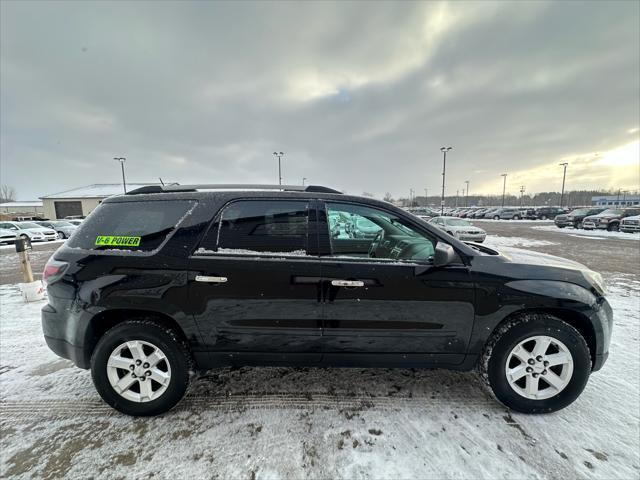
{"points": [[551, 327], [157, 336]]}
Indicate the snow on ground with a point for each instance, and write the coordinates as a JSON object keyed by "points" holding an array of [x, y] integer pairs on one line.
{"points": [[595, 234], [35, 244], [496, 241], [311, 422]]}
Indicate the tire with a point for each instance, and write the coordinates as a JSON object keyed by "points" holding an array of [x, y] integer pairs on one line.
{"points": [[496, 217], [61, 235], [24, 237], [613, 227], [577, 225], [177, 361], [543, 217], [512, 334]]}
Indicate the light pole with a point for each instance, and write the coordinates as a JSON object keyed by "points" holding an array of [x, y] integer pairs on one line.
{"points": [[279, 155], [444, 151], [522, 188], [303, 180], [466, 200], [564, 175], [124, 182], [426, 197], [504, 186]]}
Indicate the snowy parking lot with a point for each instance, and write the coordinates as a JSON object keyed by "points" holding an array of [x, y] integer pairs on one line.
{"points": [[295, 423]]}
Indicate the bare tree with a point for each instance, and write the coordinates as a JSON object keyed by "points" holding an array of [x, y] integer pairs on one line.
{"points": [[7, 193], [367, 194], [387, 197]]}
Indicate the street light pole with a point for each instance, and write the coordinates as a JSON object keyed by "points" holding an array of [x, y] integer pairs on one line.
{"points": [[444, 151], [279, 155], [303, 179], [466, 200], [504, 186], [564, 175], [522, 189], [124, 182]]}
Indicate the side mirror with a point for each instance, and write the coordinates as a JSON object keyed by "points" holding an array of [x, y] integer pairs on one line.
{"points": [[444, 255]]}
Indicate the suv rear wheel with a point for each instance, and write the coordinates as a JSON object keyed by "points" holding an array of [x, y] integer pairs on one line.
{"points": [[141, 368], [536, 363]]}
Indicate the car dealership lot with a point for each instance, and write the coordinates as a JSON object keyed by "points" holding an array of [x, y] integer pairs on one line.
{"points": [[310, 423]]}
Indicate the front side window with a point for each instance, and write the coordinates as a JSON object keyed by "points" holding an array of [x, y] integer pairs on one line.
{"points": [[366, 232], [259, 226]]}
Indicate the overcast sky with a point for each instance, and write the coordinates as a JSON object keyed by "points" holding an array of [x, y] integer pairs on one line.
{"points": [[360, 96]]}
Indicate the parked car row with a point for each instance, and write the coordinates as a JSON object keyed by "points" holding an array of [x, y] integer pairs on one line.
{"points": [[612, 218], [37, 231], [506, 213]]}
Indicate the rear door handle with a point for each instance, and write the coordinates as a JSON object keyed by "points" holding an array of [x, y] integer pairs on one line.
{"points": [[206, 279], [347, 283]]}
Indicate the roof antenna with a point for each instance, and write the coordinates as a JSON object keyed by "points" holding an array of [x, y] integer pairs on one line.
{"points": [[161, 181]]}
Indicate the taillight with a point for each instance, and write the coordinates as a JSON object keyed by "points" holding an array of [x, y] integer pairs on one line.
{"points": [[53, 271]]}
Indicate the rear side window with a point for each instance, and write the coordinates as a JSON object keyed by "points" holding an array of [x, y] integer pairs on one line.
{"points": [[135, 226], [258, 226]]}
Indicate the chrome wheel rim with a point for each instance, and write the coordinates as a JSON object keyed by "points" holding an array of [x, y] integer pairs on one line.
{"points": [[539, 367], [138, 371]]}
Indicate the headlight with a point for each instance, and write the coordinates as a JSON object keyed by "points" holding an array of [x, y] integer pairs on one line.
{"points": [[604, 220], [596, 280]]}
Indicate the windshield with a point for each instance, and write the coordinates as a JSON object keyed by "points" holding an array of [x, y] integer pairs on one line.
{"points": [[580, 211], [457, 222], [29, 225], [63, 224], [611, 211]]}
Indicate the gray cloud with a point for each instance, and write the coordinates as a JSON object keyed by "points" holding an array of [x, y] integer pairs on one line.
{"points": [[359, 95]]}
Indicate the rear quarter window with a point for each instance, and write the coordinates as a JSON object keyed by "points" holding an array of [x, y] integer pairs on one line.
{"points": [[131, 226]]}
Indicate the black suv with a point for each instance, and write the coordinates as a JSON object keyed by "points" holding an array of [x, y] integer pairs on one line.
{"points": [[575, 217], [543, 213], [162, 281]]}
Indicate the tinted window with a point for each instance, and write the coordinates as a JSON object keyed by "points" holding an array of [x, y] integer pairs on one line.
{"points": [[144, 223], [260, 226]]}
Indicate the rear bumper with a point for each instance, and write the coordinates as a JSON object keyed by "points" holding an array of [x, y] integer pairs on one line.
{"points": [[64, 349], [64, 333]]}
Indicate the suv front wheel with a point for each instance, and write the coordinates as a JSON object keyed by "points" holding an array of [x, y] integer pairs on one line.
{"points": [[141, 368], [536, 363]]}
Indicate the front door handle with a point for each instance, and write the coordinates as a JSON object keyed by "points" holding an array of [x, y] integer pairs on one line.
{"points": [[206, 279], [347, 283]]}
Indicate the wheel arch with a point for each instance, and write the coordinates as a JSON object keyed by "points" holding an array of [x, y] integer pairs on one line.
{"points": [[108, 319], [577, 320]]}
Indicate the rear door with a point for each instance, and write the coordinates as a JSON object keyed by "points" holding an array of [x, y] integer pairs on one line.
{"points": [[254, 282], [389, 303]]}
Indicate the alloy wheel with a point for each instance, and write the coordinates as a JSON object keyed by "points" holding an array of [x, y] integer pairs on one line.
{"points": [[138, 371], [539, 367]]}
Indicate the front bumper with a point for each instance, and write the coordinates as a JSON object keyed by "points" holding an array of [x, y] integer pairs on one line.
{"points": [[602, 321], [627, 228], [563, 222], [466, 237]]}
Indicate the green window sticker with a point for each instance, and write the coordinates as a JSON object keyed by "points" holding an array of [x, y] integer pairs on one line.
{"points": [[117, 241]]}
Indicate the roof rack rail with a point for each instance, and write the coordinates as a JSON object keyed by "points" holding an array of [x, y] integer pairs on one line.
{"points": [[230, 186]]}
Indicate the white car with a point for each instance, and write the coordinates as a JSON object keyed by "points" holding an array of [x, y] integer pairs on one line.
{"points": [[30, 230], [7, 236], [630, 224], [460, 228], [62, 227]]}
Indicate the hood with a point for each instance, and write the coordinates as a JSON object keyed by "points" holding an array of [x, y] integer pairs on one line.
{"points": [[38, 230], [4, 232], [528, 257], [603, 215]]}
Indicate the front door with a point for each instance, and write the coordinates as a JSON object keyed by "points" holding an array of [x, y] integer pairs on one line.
{"points": [[386, 301], [254, 283]]}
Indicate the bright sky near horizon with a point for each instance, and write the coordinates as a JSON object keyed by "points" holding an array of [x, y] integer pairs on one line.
{"points": [[360, 95]]}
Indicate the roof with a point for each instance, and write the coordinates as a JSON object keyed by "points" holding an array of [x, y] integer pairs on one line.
{"points": [[21, 203], [97, 190]]}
